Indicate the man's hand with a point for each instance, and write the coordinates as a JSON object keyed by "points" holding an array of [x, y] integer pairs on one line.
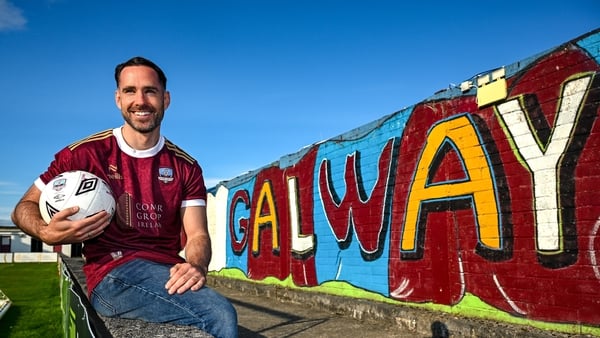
{"points": [[62, 230], [184, 277]]}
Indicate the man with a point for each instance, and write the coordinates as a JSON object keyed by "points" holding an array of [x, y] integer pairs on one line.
{"points": [[133, 267]]}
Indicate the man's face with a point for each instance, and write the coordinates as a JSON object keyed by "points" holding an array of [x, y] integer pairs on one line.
{"points": [[141, 98]]}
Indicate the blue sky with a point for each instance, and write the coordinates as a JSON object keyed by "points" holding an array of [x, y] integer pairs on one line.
{"points": [[250, 81]]}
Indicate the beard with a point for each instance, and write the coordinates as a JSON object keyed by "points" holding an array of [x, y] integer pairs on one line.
{"points": [[146, 126]]}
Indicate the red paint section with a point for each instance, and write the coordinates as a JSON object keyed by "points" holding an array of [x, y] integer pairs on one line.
{"points": [[303, 263], [239, 244], [566, 283], [280, 262], [433, 276], [269, 259]]}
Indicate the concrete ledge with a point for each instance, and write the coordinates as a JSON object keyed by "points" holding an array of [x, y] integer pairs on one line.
{"points": [[104, 327], [410, 320], [119, 327]]}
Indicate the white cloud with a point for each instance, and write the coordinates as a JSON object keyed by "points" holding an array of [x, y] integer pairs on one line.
{"points": [[11, 17], [5, 211], [10, 188]]}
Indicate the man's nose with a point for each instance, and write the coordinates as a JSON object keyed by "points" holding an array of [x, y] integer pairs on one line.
{"points": [[140, 98]]}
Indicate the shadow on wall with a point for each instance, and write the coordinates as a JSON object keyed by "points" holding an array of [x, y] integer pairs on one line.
{"points": [[439, 330]]}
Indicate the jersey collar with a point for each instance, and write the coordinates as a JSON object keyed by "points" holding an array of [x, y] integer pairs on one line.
{"points": [[134, 152]]}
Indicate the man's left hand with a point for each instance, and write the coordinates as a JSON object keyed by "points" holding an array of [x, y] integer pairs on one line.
{"points": [[184, 277]]}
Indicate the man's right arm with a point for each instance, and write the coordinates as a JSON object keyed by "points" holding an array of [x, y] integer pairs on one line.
{"points": [[26, 214]]}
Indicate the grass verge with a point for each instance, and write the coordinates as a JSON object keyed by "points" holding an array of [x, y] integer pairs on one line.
{"points": [[34, 291]]}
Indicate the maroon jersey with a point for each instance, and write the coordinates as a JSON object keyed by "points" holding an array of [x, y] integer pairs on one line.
{"points": [[150, 186]]}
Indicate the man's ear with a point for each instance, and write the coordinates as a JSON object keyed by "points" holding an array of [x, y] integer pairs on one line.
{"points": [[118, 99], [167, 99]]}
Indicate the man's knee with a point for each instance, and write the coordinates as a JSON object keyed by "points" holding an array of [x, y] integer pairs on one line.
{"points": [[224, 321]]}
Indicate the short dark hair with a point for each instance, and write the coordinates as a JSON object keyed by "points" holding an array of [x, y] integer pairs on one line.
{"points": [[141, 61]]}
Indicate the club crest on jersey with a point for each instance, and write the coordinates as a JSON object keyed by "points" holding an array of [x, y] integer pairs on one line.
{"points": [[165, 174]]}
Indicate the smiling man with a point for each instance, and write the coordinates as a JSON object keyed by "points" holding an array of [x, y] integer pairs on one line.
{"points": [[133, 264]]}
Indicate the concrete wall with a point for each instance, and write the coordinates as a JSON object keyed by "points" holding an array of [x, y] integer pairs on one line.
{"points": [[29, 257], [481, 200]]}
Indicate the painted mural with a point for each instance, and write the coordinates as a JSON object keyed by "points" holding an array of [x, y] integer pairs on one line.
{"points": [[489, 188]]}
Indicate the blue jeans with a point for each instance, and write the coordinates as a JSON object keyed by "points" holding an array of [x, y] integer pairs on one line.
{"points": [[136, 290]]}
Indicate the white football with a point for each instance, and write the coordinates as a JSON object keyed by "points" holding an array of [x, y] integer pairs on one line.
{"points": [[76, 188]]}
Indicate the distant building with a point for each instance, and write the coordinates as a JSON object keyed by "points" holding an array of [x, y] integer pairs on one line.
{"points": [[12, 239]]}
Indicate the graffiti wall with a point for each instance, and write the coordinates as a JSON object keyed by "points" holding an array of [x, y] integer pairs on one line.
{"points": [[490, 188]]}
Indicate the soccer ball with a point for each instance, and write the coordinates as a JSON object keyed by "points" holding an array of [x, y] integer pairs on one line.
{"points": [[76, 188]]}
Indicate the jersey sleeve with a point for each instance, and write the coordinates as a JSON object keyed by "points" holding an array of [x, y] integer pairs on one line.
{"points": [[63, 161], [194, 189]]}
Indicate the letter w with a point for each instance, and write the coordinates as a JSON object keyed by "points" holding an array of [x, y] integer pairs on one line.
{"points": [[366, 216]]}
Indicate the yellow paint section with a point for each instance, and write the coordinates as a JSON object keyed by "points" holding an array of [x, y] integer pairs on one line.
{"points": [[265, 196], [480, 185], [491, 88]]}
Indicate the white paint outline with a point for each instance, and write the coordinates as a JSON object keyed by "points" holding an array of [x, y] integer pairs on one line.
{"points": [[593, 260], [401, 291], [508, 300], [461, 271]]}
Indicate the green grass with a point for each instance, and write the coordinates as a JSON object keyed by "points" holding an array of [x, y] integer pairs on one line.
{"points": [[34, 291]]}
